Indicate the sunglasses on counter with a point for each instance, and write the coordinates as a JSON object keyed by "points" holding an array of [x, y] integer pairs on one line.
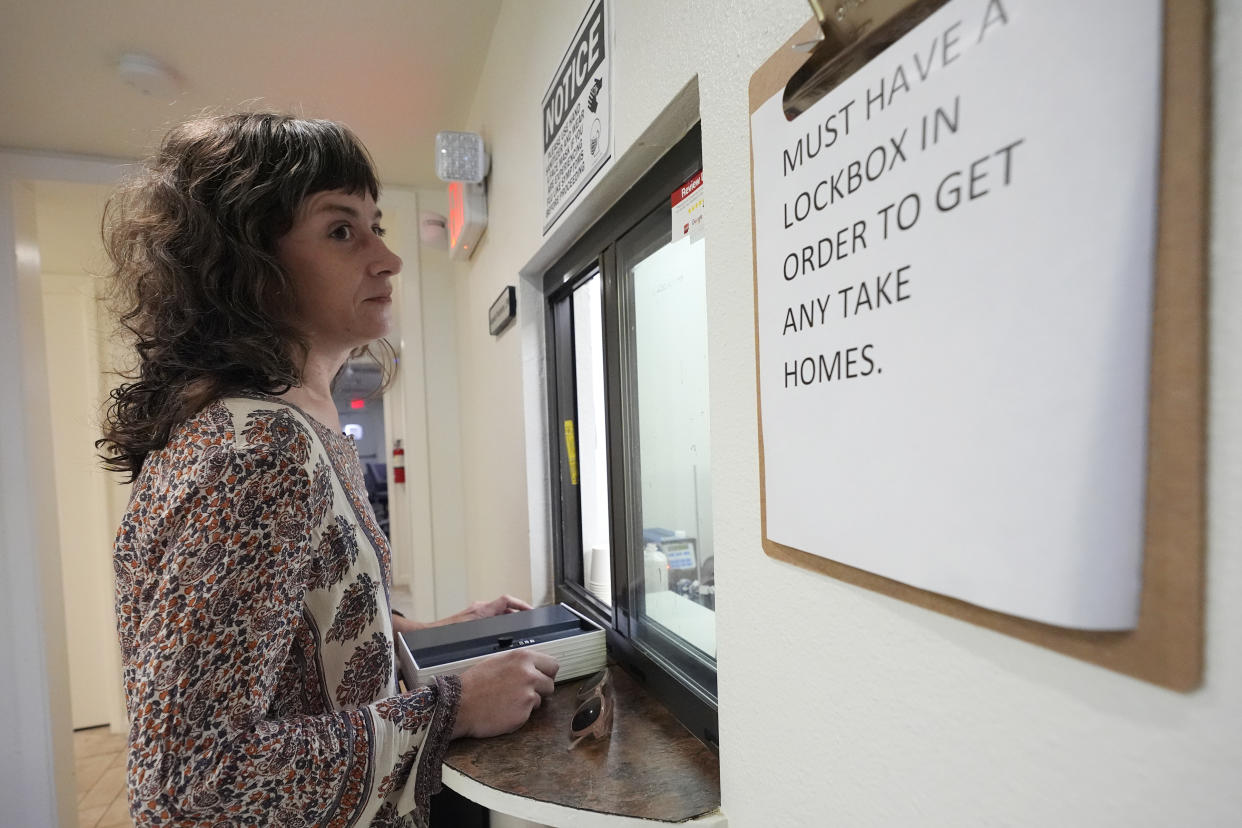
{"points": [[594, 714]]}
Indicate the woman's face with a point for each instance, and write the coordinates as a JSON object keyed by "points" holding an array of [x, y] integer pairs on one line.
{"points": [[341, 270]]}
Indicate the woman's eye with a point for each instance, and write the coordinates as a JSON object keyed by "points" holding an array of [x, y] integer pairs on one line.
{"points": [[379, 231], [343, 233]]}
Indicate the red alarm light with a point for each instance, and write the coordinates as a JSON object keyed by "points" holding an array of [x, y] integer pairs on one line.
{"points": [[467, 217], [357, 404]]}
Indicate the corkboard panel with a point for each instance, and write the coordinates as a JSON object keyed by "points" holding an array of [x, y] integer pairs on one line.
{"points": [[1166, 648]]}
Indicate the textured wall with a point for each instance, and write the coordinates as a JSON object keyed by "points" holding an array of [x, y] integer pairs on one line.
{"points": [[874, 712]]}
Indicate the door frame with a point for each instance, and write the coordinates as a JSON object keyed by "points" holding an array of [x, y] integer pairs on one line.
{"points": [[36, 771]]}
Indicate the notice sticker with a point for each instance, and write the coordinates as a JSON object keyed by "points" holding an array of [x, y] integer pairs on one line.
{"points": [[576, 114], [687, 202]]}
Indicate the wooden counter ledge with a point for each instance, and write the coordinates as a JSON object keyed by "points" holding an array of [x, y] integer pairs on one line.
{"points": [[652, 767]]}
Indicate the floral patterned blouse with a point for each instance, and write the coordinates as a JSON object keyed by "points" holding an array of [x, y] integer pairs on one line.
{"points": [[253, 608]]}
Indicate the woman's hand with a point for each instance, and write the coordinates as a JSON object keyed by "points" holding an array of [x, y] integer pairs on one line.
{"points": [[498, 694], [401, 624], [485, 609], [479, 609]]}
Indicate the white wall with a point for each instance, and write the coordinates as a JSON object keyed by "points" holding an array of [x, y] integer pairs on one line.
{"points": [[77, 332], [439, 277], [85, 531], [421, 409], [869, 711], [500, 414]]}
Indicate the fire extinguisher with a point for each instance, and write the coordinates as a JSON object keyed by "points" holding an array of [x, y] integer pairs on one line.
{"points": [[398, 462]]}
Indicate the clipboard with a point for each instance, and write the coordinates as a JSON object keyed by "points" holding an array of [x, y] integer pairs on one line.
{"points": [[1166, 647]]}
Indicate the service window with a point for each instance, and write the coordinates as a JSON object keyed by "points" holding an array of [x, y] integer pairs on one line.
{"points": [[628, 394]]}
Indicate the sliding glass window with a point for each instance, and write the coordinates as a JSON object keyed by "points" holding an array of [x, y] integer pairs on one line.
{"points": [[627, 331]]}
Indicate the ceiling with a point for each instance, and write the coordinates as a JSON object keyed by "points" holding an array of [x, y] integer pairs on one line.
{"points": [[396, 71]]}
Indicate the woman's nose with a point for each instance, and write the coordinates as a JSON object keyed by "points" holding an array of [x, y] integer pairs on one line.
{"points": [[387, 263]]}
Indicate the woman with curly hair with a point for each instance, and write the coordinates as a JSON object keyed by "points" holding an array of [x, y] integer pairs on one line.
{"points": [[252, 580]]}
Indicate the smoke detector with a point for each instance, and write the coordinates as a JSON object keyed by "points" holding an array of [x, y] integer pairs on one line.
{"points": [[148, 76], [433, 230]]}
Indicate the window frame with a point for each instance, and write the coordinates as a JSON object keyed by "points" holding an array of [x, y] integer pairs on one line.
{"points": [[680, 678]]}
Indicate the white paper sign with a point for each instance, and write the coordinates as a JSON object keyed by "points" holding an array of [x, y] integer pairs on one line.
{"points": [[577, 114], [687, 209], [954, 252]]}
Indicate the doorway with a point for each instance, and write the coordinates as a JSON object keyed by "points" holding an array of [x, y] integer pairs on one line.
{"points": [[76, 338], [360, 406]]}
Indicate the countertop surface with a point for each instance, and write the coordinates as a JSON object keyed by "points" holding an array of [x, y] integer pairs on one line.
{"points": [[651, 767]]}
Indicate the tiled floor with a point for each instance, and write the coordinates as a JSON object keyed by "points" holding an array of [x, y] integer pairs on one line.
{"points": [[99, 765]]}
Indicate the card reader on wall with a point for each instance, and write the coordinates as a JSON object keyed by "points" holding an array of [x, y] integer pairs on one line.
{"points": [[573, 640]]}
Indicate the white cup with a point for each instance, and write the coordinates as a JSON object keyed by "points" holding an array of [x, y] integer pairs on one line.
{"points": [[599, 583]]}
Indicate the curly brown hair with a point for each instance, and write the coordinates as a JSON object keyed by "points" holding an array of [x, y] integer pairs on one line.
{"points": [[192, 241]]}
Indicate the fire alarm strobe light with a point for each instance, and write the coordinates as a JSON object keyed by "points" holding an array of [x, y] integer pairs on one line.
{"points": [[460, 157]]}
